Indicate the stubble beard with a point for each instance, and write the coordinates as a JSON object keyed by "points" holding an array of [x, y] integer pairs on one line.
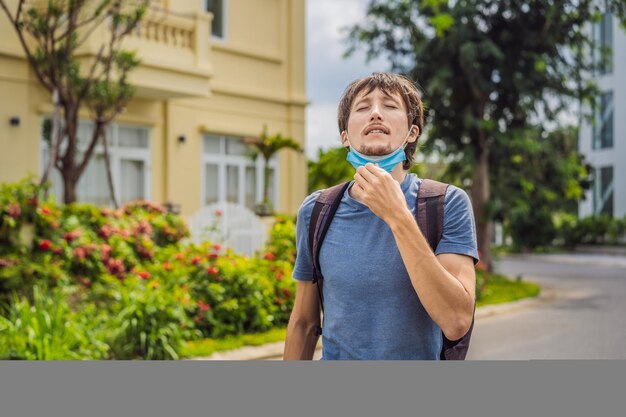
{"points": [[376, 150]]}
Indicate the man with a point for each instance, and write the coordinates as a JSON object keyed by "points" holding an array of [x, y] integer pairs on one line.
{"points": [[386, 294]]}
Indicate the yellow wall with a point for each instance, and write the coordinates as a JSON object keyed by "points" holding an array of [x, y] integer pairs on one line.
{"points": [[253, 77]]}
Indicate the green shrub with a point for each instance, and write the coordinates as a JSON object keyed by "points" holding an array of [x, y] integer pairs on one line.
{"points": [[47, 329], [282, 239], [572, 231], [151, 287], [147, 319], [531, 227]]}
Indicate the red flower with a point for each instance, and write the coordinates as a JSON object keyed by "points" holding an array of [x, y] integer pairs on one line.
{"points": [[167, 266], [45, 245], [280, 301], [195, 260], [45, 210], [213, 255], [4, 262], [144, 274], [203, 306], [14, 210], [80, 253], [71, 236], [212, 270], [287, 292], [217, 246], [218, 279], [144, 228], [106, 252], [269, 256], [105, 231], [33, 201], [279, 276], [179, 256], [218, 212]]}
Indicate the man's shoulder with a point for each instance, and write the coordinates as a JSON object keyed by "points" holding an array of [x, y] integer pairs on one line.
{"points": [[307, 205]]}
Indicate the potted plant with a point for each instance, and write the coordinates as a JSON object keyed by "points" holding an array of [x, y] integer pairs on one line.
{"points": [[268, 146]]}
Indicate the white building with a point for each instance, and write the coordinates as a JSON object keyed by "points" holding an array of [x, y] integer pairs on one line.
{"points": [[604, 142]]}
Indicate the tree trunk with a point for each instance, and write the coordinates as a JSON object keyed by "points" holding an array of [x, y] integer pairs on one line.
{"points": [[70, 171], [55, 139], [107, 162], [480, 197], [69, 185], [266, 181]]}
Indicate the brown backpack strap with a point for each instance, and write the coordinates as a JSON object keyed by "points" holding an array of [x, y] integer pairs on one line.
{"points": [[324, 209], [429, 210]]}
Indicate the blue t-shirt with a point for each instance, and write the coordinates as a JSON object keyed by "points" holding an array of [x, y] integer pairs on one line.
{"points": [[371, 310]]}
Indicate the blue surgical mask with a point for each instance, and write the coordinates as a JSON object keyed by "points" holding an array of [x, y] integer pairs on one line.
{"points": [[387, 162]]}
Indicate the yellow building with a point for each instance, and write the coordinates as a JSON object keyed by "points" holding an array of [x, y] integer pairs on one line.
{"points": [[212, 72]]}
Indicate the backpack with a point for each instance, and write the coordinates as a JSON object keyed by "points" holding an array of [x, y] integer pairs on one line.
{"points": [[429, 217]]}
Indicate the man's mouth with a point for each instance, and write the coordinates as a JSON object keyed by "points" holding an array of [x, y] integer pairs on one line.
{"points": [[377, 129]]}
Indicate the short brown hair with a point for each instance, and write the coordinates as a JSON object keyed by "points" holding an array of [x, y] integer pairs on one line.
{"points": [[389, 83]]}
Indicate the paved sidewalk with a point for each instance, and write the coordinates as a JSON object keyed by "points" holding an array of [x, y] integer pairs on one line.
{"points": [[591, 259], [275, 350]]}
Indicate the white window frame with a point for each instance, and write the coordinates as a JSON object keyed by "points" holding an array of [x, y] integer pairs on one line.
{"points": [[602, 117], [222, 160], [116, 155], [600, 29], [223, 38], [600, 199]]}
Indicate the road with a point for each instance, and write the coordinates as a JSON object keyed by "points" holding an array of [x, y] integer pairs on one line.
{"points": [[584, 321]]}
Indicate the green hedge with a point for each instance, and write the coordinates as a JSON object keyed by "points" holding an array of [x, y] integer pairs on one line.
{"points": [[128, 278]]}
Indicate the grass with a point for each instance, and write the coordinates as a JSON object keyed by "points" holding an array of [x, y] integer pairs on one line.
{"points": [[497, 290], [207, 347]]}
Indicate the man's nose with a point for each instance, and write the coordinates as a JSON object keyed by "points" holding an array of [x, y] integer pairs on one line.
{"points": [[376, 113]]}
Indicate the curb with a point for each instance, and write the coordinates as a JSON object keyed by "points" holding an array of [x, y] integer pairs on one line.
{"points": [[275, 349]]}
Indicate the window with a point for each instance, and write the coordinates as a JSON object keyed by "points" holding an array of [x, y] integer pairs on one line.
{"points": [[231, 175], [603, 37], [217, 7], [603, 127], [129, 153], [603, 191]]}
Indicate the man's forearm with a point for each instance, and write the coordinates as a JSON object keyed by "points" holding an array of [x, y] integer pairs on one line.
{"points": [[300, 342], [443, 296]]}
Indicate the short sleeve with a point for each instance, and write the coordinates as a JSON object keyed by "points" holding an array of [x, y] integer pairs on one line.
{"points": [[459, 228], [303, 269]]}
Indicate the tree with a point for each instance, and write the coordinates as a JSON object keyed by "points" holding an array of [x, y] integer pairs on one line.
{"points": [[267, 146], [331, 168], [51, 34], [541, 176], [488, 68]]}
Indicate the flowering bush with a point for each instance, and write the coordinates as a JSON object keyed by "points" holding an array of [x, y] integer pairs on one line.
{"points": [[151, 287]]}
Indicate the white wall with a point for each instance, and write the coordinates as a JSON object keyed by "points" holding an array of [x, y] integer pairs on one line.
{"points": [[615, 156]]}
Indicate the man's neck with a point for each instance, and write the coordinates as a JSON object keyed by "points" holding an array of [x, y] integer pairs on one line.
{"points": [[398, 173]]}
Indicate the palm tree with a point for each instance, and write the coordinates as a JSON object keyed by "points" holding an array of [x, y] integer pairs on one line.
{"points": [[267, 146]]}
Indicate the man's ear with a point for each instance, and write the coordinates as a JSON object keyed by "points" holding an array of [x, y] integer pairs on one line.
{"points": [[344, 140], [414, 132]]}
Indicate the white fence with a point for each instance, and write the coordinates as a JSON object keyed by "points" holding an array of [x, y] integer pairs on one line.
{"points": [[232, 225]]}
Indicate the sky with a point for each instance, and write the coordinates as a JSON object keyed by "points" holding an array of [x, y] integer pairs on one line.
{"points": [[327, 72]]}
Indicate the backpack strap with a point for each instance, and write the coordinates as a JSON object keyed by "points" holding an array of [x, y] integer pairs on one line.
{"points": [[429, 210], [323, 212], [429, 213]]}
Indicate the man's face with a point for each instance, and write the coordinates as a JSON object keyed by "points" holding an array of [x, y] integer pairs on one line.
{"points": [[378, 123]]}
